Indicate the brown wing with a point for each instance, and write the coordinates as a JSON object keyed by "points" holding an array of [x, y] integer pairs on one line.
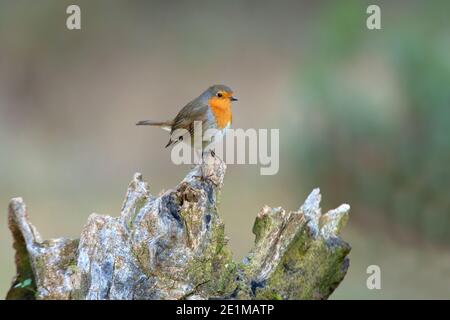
{"points": [[193, 111]]}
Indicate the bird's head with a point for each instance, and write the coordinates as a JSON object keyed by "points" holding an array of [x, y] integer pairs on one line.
{"points": [[220, 94]]}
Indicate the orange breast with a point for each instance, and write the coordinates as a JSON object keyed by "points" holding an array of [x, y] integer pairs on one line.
{"points": [[221, 109]]}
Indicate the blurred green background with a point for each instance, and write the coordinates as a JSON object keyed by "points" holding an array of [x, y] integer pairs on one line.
{"points": [[364, 115]]}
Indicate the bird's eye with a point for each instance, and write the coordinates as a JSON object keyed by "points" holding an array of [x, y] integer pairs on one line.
{"points": [[219, 95]]}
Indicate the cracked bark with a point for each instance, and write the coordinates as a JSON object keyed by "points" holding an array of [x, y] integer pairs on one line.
{"points": [[174, 247]]}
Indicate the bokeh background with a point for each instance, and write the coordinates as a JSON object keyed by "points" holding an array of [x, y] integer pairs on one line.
{"points": [[364, 115]]}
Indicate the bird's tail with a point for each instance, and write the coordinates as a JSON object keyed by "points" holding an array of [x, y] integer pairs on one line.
{"points": [[166, 125]]}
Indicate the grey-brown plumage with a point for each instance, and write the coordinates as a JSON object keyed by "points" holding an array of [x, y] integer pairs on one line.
{"points": [[196, 110]]}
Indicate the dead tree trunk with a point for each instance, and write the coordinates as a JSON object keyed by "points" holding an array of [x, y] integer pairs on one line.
{"points": [[174, 247]]}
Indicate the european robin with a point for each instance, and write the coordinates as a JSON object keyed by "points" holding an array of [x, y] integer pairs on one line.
{"points": [[212, 108]]}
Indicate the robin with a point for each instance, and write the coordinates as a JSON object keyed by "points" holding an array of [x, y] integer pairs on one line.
{"points": [[212, 109]]}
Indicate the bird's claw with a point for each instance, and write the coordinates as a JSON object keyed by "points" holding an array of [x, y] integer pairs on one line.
{"points": [[206, 178]]}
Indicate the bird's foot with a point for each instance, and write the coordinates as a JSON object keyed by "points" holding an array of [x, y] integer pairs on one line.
{"points": [[206, 177]]}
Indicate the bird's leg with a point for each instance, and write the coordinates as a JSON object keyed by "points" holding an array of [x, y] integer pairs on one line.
{"points": [[202, 177], [206, 178], [214, 155]]}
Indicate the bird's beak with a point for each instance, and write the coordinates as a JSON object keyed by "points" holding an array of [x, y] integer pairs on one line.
{"points": [[233, 98]]}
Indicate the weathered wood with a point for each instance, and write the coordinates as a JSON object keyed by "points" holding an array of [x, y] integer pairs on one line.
{"points": [[174, 247]]}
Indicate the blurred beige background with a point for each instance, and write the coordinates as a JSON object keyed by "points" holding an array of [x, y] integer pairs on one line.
{"points": [[362, 114]]}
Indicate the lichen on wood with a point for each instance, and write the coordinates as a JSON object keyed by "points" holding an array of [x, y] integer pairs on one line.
{"points": [[174, 247]]}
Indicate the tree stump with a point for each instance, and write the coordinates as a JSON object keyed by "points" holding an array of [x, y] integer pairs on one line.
{"points": [[174, 247]]}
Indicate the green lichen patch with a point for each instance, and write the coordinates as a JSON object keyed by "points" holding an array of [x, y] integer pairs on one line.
{"points": [[140, 203], [215, 270], [193, 221], [310, 269], [261, 226]]}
